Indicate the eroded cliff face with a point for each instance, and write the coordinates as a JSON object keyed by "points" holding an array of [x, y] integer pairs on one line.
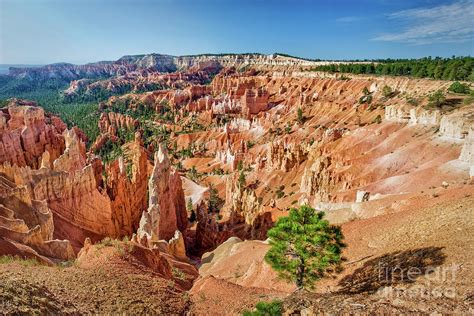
{"points": [[338, 144], [26, 226], [82, 203], [166, 212], [134, 82], [159, 63], [26, 133]]}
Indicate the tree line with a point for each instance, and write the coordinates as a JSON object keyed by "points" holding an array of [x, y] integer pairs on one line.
{"points": [[454, 68]]}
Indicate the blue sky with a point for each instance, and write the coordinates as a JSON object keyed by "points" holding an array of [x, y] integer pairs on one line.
{"points": [[80, 31]]}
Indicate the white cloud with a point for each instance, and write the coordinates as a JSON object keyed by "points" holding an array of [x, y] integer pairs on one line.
{"points": [[449, 23]]}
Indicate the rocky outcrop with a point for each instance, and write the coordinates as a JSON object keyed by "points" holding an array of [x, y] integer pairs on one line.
{"points": [[157, 62], [242, 262], [26, 133], [467, 152], [73, 157], [209, 232], [166, 206], [457, 125], [284, 155], [242, 200], [399, 114], [176, 245], [28, 223], [126, 186], [423, 117], [82, 203], [110, 122], [254, 101], [316, 179]]}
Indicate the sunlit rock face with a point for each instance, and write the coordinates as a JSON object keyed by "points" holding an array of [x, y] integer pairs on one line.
{"points": [[52, 166], [166, 212]]}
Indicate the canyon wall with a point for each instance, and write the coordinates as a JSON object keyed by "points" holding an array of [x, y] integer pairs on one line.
{"points": [[55, 169]]}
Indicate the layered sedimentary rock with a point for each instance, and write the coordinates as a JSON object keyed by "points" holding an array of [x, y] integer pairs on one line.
{"points": [[166, 206], [242, 200], [110, 122], [136, 81], [316, 178], [26, 133], [26, 226], [457, 125], [299, 137], [126, 187], [467, 152], [82, 203], [285, 155], [242, 214], [158, 62]]}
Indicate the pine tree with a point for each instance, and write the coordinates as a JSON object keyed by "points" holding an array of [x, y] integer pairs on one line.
{"points": [[242, 179], [215, 201], [189, 205], [304, 247], [436, 99], [300, 116]]}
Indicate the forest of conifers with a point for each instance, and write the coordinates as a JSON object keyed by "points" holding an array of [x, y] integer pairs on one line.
{"points": [[455, 68]]}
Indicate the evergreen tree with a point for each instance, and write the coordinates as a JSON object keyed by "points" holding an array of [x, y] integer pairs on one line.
{"points": [[300, 116], [387, 91], [304, 247], [189, 205], [242, 180], [436, 99], [215, 201], [454, 68], [458, 87]]}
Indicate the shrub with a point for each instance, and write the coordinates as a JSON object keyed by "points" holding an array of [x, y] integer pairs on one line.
{"points": [[273, 308], [469, 99], [458, 87], [280, 191], [178, 274], [22, 261], [436, 99], [387, 92], [413, 101], [300, 117], [242, 179], [193, 174], [189, 205], [378, 119]]}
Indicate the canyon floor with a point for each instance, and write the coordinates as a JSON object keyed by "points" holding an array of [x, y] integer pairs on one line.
{"points": [[151, 190]]}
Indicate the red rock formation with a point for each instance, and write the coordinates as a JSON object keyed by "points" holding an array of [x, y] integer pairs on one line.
{"points": [[82, 204], [110, 121], [26, 133], [26, 226], [254, 101], [166, 206]]}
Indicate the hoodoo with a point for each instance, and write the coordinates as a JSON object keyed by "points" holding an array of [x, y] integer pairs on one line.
{"points": [[237, 183]]}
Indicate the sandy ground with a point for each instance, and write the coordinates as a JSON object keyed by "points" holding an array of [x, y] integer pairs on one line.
{"points": [[114, 286], [435, 243]]}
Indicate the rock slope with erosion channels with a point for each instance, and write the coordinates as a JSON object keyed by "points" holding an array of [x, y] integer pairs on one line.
{"points": [[167, 210]]}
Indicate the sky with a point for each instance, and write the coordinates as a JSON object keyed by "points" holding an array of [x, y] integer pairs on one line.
{"points": [[82, 31]]}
